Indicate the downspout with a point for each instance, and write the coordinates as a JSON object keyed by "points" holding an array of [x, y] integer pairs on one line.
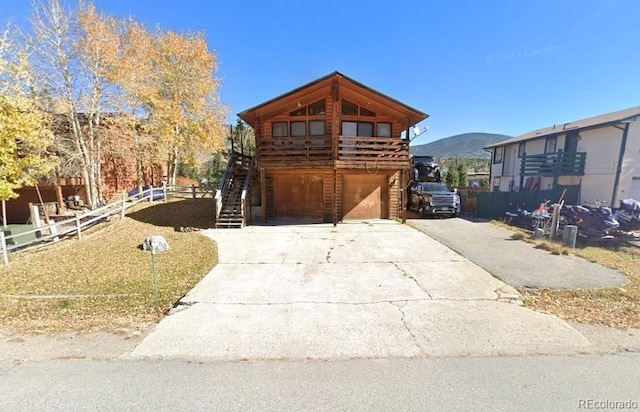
{"points": [[623, 146]]}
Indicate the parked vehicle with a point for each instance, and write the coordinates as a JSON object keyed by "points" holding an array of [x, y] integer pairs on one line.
{"points": [[434, 198], [425, 169]]}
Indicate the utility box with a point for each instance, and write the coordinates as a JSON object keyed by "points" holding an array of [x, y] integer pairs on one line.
{"points": [[569, 235]]}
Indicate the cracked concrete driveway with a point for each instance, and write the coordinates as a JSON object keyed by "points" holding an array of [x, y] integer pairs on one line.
{"points": [[359, 290]]}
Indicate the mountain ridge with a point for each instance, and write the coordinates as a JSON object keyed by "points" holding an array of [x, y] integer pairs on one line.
{"points": [[461, 145]]}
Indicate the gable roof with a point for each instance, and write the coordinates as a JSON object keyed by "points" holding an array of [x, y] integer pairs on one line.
{"points": [[323, 84], [604, 119]]}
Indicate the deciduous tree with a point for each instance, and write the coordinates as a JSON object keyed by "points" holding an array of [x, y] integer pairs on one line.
{"points": [[24, 136], [170, 78], [69, 69]]}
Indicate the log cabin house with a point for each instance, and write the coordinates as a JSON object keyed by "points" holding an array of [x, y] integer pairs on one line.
{"points": [[331, 150]]}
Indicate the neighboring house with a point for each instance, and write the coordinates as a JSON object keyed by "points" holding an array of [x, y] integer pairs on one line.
{"points": [[118, 171], [599, 157], [332, 150]]}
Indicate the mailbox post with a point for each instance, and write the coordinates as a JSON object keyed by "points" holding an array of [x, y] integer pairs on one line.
{"points": [[155, 244]]}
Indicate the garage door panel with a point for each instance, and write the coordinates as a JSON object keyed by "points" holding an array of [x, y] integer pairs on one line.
{"points": [[299, 196], [365, 197]]}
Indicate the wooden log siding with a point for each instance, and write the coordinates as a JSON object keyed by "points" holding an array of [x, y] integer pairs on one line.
{"points": [[394, 195], [333, 156]]}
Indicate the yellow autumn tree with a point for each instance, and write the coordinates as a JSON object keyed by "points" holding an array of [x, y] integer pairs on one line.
{"points": [[24, 135], [170, 78]]}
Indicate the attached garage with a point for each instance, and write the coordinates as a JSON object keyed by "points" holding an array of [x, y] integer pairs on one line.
{"points": [[298, 196], [365, 196]]}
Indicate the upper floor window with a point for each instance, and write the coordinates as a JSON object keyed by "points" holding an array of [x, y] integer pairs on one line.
{"points": [[298, 129], [550, 144], [351, 129], [352, 109], [316, 128], [302, 111], [383, 129], [349, 108], [279, 129], [366, 112], [316, 108], [521, 149], [497, 154]]}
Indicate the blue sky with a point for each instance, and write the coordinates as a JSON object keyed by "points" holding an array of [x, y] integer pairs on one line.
{"points": [[497, 66]]}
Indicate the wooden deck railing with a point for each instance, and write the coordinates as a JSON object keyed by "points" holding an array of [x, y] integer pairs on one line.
{"points": [[308, 147], [379, 148], [320, 148]]}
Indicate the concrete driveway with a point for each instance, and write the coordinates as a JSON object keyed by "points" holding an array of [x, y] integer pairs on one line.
{"points": [[359, 290]]}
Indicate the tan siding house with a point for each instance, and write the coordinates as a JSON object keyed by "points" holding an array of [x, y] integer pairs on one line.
{"points": [[598, 155]]}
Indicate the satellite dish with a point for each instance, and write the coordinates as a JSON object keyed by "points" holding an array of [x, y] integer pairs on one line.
{"points": [[416, 130]]}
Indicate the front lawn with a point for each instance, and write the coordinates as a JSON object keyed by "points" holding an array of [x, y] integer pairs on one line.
{"points": [[104, 281]]}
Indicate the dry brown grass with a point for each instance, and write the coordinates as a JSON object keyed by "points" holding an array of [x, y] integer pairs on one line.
{"points": [[104, 281], [614, 306]]}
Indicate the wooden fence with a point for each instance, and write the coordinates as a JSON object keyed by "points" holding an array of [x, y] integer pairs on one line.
{"points": [[65, 229]]}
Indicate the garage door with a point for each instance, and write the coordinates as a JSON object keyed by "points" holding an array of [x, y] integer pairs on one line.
{"points": [[298, 196], [365, 197]]}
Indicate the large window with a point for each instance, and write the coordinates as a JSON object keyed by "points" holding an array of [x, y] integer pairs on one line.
{"points": [[316, 128], [279, 129], [298, 129], [364, 129]]}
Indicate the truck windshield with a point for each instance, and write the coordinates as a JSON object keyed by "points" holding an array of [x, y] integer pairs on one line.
{"points": [[435, 187]]}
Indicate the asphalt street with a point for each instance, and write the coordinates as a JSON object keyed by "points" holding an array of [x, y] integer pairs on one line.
{"points": [[541, 383]]}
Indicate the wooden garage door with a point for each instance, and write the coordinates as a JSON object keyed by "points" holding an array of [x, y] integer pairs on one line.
{"points": [[365, 197], [298, 196]]}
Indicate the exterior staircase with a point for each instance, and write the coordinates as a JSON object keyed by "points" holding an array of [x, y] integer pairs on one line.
{"points": [[232, 196]]}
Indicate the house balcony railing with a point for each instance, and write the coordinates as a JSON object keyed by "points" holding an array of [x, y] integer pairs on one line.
{"points": [[378, 148], [295, 148], [553, 164]]}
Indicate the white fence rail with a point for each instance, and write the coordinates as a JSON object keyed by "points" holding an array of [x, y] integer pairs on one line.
{"points": [[54, 231], [189, 192]]}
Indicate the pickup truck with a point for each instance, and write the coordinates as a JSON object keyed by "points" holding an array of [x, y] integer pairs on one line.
{"points": [[434, 198]]}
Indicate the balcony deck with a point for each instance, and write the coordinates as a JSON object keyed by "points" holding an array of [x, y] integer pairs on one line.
{"points": [[350, 152], [553, 164]]}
